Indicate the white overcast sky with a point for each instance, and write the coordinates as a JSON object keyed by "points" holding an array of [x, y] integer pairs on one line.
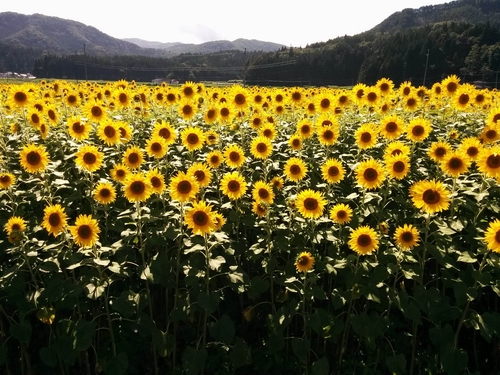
{"points": [[292, 22]]}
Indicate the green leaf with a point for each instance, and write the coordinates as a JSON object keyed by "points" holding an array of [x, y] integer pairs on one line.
{"points": [[164, 342], [454, 361], [118, 365], [3, 354], [240, 354], [216, 262], [48, 356], [194, 360], [209, 302], [83, 334], [21, 331], [300, 348], [467, 257], [223, 330], [321, 367], [396, 364]]}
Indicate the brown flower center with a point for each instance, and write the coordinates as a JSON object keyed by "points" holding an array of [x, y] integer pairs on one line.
{"points": [[33, 158], [391, 127], [35, 118], [138, 187], [411, 102], [491, 134], [192, 139], [399, 166], [234, 156], [341, 214], [184, 187], [233, 186], [328, 135], [431, 196], [463, 99], [240, 99], [493, 161], [263, 193], [364, 240], [20, 97], [295, 169], [417, 130], [187, 110], [407, 237], [325, 103], [455, 163], [497, 236], [305, 129], [366, 137], [333, 171], [472, 151], [200, 218], [164, 133], [311, 204], [370, 174], [224, 112], [105, 193], [85, 231], [371, 97], [451, 87], [303, 260], [5, 179], [96, 111], [109, 131], [155, 181], [77, 127], [54, 219]]}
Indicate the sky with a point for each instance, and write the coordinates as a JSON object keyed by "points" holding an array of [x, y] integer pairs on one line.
{"points": [[291, 23]]}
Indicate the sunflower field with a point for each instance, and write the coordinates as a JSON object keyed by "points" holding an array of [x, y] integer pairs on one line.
{"points": [[198, 229]]}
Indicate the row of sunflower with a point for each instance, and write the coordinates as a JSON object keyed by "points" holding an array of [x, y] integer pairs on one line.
{"points": [[233, 229]]}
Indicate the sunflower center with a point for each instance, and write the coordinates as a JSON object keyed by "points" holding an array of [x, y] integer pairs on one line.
{"points": [[431, 196], [493, 161], [85, 231], [138, 187], [451, 87], [295, 169], [164, 133], [366, 137], [296, 142], [396, 152], [479, 98], [406, 91], [364, 240], [20, 97], [325, 103], [214, 159], [491, 134], [370, 174], [341, 214], [333, 171], [54, 219], [96, 111], [171, 97], [200, 175], [496, 118], [268, 133], [33, 158], [371, 97], [463, 99], [5, 179], [411, 102], [89, 158], [455, 163], [417, 130], [311, 204], [296, 96], [407, 237], [224, 112], [472, 151], [211, 114], [188, 91], [328, 135], [51, 114], [77, 127], [234, 156], [16, 227], [233, 186], [155, 181], [105, 193], [120, 173], [184, 187], [391, 127], [109, 131], [263, 193], [398, 166], [305, 129], [192, 139], [384, 87], [326, 123], [133, 158], [303, 260], [159, 96], [360, 93], [497, 236], [240, 99], [311, 107], [200, 218], [35, 118], [156, 147], [256, 122]]}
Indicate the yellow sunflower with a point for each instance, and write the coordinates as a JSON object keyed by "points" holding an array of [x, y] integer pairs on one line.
{"points": [[396, 148], [332, 171], [305, 128], [214, 158], [89, 158], [363, 240], [15, 224], [192, 138], [324, 101], [492, 236], [304, 262], [490, 133], [95, 111], [411, 102], [268, 130], [34, 117], [406, 236], [219, 220], [234, 156], [156, 147], [438, 150], [239, 97], [366, 135], [86, 231], [277, 182], [391, 126], [328, 135], [462, 99], [119, 172], [104, 192], [211, 113], [137, 187], [385, 86], [200, 218], [108, 132], [20, 95], [450, 84], [156, 180], [7, 180], [310, 203], [488, 161], [261, 147], [183, 187], [430, 196], [397, 166], [418, 129], [259, 209], [370, 174], [341, 213], [233, 185], [201, 172], [33, 158], [211, 137], [455, 163], [133, 157], [493, 117], [54, 219], [471, 146], [295, 142], [164, 130], [187, 109], [78, 129], [263, 192], [295, 169]]}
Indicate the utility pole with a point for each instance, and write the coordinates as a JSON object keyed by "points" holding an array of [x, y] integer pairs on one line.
{"points": [[85, 59], [426, 65]]}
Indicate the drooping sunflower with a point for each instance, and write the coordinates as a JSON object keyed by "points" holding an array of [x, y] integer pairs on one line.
{"points": [[89, 158], [261, 147], [397, 166], [192, 138], [119, 172], [295, 169], [471, 146], [430, 196], [156, 180], [391, 126], [327, 135], [44, 130], [214, 158], [418, 129], [370, 174], [304, 262], [488, 161], [263, 192], [15, 224], [137, 187], [234, 156], [133, 157], [438, 150], [7, 180], [183, 187], [200, 218], [341, 213], [108, 132], [156, 147], [407, 236], [201, 172], [310, 203], [104, 192], [366, 135], [164, 130], [363, 240], [78, 129], [33, 158], [233, 185], [455, 163], [332, 171], [492, 236], [86, 231], [54, 219]]}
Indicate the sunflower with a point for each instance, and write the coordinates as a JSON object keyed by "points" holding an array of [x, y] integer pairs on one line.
{"points": [[259, 209], [462, 99], [397, 166], [214, 158], [411, 102], [268, 130], [225, 113], [261, 147], [89, 158], [183, 187], [455, 163], [186, 109], [295, 169], [430, 196], [120, 172], [164, 130], [256, 120], [304, 262], [137, 187], [363, 240], [490, 133], [44, 130], [366, 135], [438, 150], [34, 158], [94, 111], [263, 192], [234, 156], [233, 185], [192, 138], [104, 193], [219, 220], [156, 180], [418, 129], [406, 88], [488, 161], [358, 92], [370, 174], [327, 135], [54, 219], [471, 146], [372, 96], [156, 147], [332, 171], [108, 132], [341, 213], [492, 236], [305, 128], [86, 231], [277, 182], [391, 126], [7, 180], [211, 137], [52, 114], [133, 157], [296, 96], [20, 95], [201, 172], [407, 236], [200, 218], [295, 142], [344, 98], [310, 203], [72, 99], [15, 224], [78, 129], [395, 148], [450, 84], [188, 90], [385, 86], [123, 97], [493, 117], [239, 97], [34, 117], [211, 113]]}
